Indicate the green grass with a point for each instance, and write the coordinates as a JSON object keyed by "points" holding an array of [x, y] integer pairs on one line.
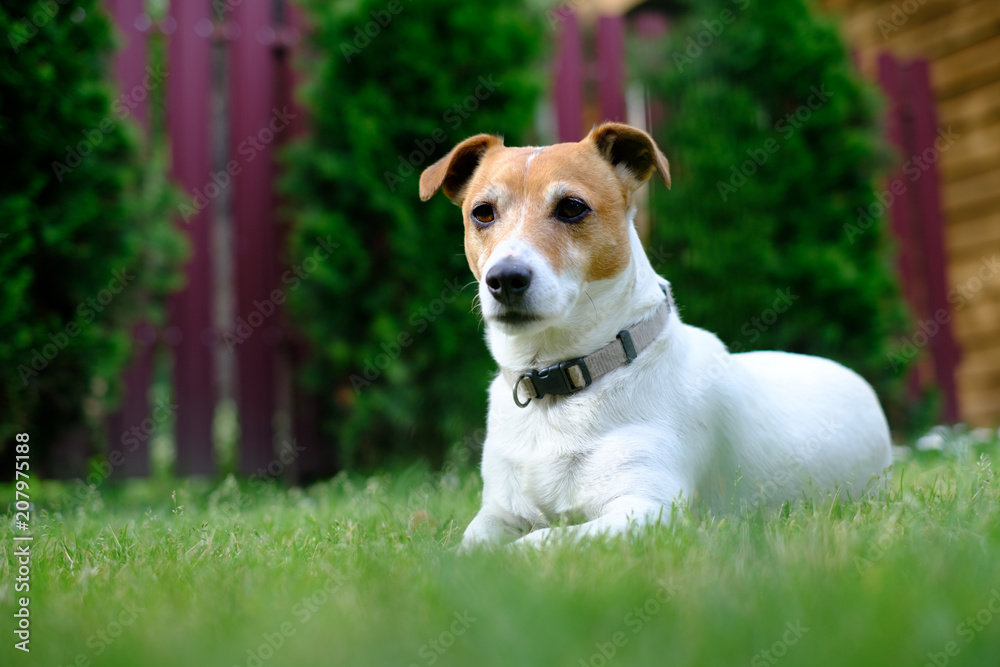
{"points": [[362, 572]]}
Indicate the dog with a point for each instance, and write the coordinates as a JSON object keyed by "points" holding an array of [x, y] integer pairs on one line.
{"points": [[608, 409]]}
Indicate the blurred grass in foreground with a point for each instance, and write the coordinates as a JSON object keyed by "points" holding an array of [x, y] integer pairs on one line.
{"points": [[361, 571]]}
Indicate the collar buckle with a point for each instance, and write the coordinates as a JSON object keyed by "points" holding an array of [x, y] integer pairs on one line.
{"points": [[566, 377]]}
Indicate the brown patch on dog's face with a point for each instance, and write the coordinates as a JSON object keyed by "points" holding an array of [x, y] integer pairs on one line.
{"points": [[525, 187]]}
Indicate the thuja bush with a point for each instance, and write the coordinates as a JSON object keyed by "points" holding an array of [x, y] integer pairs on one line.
{"points": [[85, 234], [397, 356], [776, 150]]}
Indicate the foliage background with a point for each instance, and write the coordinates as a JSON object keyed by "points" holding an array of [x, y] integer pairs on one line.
{"points": [[399, 368], [63, 239], [727, 84], [372, 106]]}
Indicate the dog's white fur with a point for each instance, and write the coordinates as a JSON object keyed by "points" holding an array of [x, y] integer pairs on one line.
{"points": [[686, 421]]}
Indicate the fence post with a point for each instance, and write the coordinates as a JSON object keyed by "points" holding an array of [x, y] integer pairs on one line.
{"points": [[568, 85], [191, 333], [130, 69], [255, 123], [927, 199], [918, 222], [891, 79], [611, 67], [314, 459]]}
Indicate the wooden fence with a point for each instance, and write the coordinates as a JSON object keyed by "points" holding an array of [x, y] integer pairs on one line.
{"points": [[918, 224], [252, 43]]}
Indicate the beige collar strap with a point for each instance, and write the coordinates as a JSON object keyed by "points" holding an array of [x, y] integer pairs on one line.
{"points": [[572, 375]]}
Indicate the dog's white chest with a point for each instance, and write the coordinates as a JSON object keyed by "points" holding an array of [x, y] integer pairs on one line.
{"points": [[552, 469], [554, 484]]}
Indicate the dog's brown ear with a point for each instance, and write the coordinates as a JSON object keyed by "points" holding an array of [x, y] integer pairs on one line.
{"points": [[624, 145], [452, 172]]}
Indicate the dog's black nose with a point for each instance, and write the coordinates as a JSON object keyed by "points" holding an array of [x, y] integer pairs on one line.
{"points": [[508, 280]]}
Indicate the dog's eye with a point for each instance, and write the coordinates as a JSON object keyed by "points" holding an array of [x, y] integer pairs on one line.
{"points": [[571, 210], [483, 213]]}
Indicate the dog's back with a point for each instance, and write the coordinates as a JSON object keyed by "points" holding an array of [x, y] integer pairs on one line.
{"points": [[805, 421]]}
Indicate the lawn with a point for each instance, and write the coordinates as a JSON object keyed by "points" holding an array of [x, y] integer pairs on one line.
{"points": [[362, 571]]}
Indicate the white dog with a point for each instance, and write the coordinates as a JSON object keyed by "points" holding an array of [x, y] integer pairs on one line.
{"points": [[608, 408]]}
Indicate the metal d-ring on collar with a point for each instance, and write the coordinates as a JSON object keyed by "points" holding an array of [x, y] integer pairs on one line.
{"points": [[517, 383], [572, 375]]}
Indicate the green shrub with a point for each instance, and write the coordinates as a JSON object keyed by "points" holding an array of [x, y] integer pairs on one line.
{"points": [[84, 213], [774, 143], [399, 362]]}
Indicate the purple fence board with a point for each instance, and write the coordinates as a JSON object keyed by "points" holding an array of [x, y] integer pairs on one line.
{"points": [[891, 81], [315, 460], [611, 67], [128, 453], [568, 85], [918, 223], [128, 449], [927, 197], [191, 332], [256, 125]]}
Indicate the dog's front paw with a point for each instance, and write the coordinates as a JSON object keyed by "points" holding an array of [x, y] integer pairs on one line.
{"points": [[533, 540], [468, 546]]}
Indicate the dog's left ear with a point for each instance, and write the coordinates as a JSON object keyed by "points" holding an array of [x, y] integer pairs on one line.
{"points": [[632, 149]]}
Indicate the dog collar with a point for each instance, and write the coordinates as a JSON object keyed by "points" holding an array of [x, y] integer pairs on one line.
{"points": [[572, 375]]}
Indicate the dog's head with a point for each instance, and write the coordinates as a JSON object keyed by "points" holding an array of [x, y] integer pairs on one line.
{"points": [[543, 223]]}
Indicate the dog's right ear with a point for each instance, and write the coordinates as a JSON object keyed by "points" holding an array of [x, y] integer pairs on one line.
{"points": [[452, 172]]}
